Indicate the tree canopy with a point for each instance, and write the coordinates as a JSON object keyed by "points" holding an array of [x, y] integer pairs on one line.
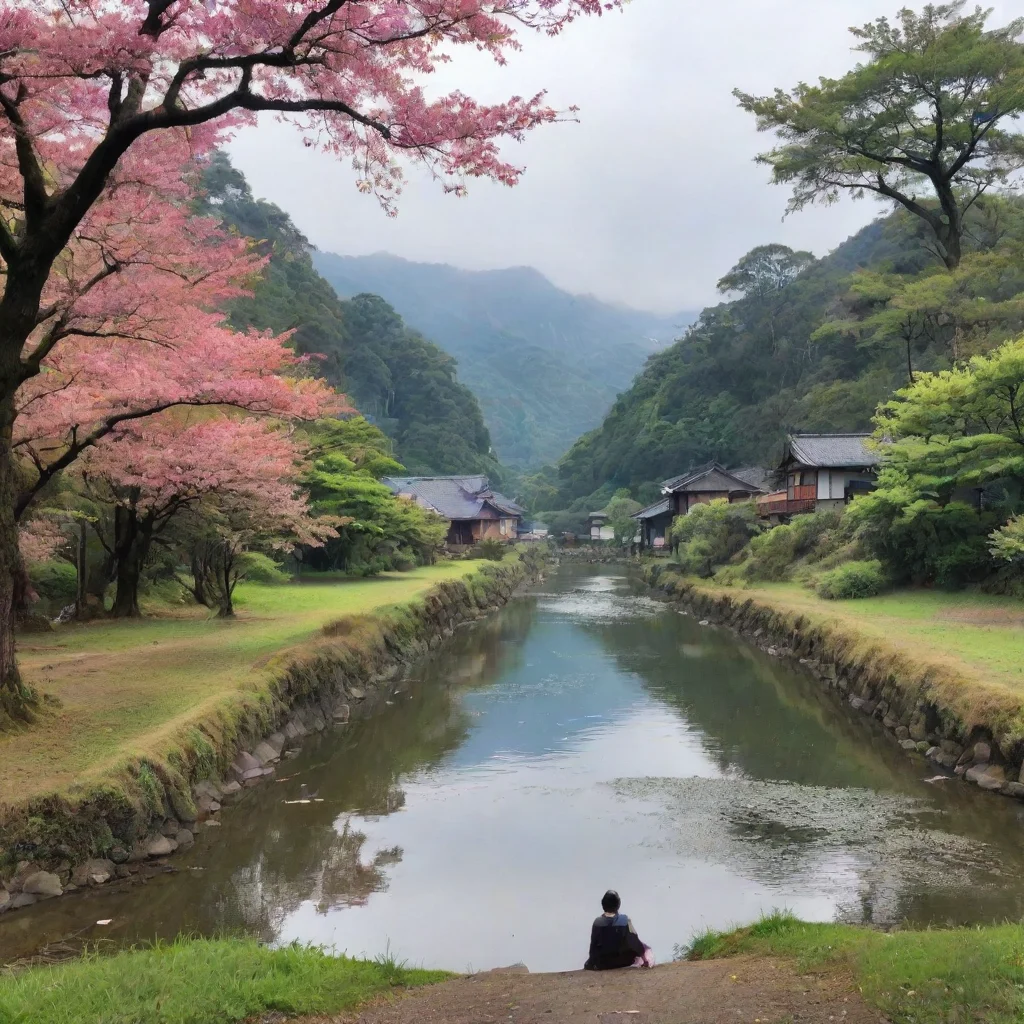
{"points": [[924, 121]]}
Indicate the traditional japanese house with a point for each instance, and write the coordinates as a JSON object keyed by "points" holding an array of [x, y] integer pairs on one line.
{"points": [[654, 523], [821, 471], [473, 509], [704, 485]]}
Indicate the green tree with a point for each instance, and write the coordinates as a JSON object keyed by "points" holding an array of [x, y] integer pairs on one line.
{"points": [[923, 122], [764, 270], [953, 471], [378, 531], [620, 518]]}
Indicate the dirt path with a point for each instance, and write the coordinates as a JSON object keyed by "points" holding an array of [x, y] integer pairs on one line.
{"points": [[714, 992]]}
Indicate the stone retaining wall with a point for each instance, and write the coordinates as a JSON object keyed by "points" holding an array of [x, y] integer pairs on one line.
{"points": [[58, 844], [876, 682]]}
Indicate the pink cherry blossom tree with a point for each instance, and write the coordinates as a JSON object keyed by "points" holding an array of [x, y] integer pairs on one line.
{"points": [[101, 102], [150, 471]]}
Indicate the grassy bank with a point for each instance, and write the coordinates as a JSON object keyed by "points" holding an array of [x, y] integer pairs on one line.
{"points": [[979, 635], [199, 981], [125, 687], [947, 976]]}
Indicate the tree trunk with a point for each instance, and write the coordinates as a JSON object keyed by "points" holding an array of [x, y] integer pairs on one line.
{"points": [[227, 607], [950, 228], [16, 699], [199, 580], [132, 537], [82, 565]]}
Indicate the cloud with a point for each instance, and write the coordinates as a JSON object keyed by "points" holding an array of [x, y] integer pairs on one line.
{"points": [[651, 197]]}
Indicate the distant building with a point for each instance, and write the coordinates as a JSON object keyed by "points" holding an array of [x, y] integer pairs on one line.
{"points": [[821, 471], [709, 483], [474, 511], [654, 523], [597, 524]]}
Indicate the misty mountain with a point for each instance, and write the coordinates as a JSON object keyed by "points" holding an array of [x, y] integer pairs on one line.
{"points": [[546, 365]]}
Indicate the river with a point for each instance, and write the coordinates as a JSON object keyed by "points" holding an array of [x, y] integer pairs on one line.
{"points": [[582, 738]]}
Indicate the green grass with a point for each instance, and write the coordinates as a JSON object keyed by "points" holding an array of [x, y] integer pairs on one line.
{"points": [[199, 981], [980, 633], [945, 976], [126, 687]]}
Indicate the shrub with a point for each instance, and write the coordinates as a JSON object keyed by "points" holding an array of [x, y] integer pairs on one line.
{"points": [[710, 534], [812, 537], [491, 549], [56, 581], [261, 568], [851, 579]]}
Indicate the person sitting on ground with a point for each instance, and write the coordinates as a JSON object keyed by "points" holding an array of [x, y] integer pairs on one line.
{"points": [[613, 939]]}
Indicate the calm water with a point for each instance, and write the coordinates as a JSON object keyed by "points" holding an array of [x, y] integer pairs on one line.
{"points": [[585, 737]]}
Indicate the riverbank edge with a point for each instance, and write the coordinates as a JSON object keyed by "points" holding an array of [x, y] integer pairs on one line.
{"points": [[909, 974], [961, 724], [149, 807]]}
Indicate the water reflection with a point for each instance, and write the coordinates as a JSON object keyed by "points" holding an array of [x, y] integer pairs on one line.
{"points": [[584, 737]]}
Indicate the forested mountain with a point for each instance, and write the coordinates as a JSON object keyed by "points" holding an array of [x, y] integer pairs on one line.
{"points": [[545, 364], [808, 344], [391, 373]]}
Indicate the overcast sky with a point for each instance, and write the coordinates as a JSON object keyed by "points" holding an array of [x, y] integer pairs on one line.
{"points": [[651, 197]]}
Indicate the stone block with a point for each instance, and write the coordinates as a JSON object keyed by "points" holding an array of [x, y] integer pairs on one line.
{"points": [[244, 762], [170, 828], [23, 899], [982, 753], [94, 872], [908, 744], [160, 846], [918, 729], [184, 839], [902, 732], [207, 788], [1014, 789], [276, 740], [265, 753], [44, 884]]}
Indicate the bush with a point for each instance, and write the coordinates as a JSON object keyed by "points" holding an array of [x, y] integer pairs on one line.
{"points": [[851, 579], [712, 533], [261, 568], [56, 581], [491, 549], [813, 537]]}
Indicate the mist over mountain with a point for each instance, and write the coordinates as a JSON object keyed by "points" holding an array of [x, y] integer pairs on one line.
{"points": [[546, 365]]}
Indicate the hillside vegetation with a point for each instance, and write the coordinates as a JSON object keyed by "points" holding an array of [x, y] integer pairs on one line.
{"points": [[405, 384], [545, 364], [802, 344]]}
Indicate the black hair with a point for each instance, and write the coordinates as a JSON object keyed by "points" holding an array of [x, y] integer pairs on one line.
{"points": [[610, 902]]}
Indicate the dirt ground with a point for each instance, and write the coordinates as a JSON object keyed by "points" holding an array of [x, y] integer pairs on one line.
{"points": [[713, 992]]}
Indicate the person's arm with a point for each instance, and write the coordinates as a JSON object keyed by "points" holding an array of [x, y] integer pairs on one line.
{"points": [[636, 947], [591, 964]]}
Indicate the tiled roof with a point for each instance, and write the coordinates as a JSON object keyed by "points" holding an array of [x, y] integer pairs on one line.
{"points": [[713, 477], [659, 508], [756, 476], [832, 450], [454, 497]]}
